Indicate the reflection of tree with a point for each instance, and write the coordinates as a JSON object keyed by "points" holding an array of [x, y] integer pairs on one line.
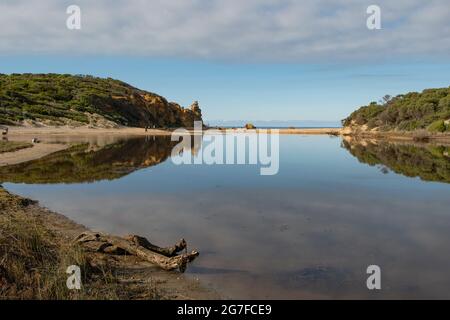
{"points": [[84, 163], [429, 162]]}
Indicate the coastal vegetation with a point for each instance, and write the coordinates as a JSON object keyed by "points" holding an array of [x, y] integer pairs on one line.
{"points": [[63, 99], [428, 110]]}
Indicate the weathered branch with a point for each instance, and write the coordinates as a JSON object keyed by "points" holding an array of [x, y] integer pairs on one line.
{"points": [[168, 252], [166, 258]]}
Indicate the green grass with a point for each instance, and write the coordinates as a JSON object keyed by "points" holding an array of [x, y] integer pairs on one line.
{"points": [[438, 126], [10, 146]]}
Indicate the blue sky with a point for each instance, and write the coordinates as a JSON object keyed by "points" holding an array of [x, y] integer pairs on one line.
{"points": [[242, 60], [240, 91]]}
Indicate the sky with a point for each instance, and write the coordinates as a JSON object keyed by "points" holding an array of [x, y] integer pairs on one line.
{"points": [[252, 59]]}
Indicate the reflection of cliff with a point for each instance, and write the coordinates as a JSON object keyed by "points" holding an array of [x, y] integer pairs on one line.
{"points": [[85, 163], [429, 162]]}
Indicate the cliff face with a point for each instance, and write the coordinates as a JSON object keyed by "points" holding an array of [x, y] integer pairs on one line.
{"points": [[55, 99], [142, 108]]}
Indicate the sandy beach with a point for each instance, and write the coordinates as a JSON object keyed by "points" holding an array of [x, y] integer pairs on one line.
{"points": [[67, 131], [81, 131]]}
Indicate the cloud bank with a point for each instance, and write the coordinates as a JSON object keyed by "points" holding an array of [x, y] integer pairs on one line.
{"points": [[237, 30]]}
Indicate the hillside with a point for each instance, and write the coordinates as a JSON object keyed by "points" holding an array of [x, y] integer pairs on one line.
{"points": [[428, 110], [59, 99]]}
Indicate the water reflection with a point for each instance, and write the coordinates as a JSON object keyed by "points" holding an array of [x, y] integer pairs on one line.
{"points": [[308, 232], [430, 162], [91, 161]]}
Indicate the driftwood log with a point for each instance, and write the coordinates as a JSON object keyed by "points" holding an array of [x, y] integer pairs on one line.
{"points": [[166, 258]]}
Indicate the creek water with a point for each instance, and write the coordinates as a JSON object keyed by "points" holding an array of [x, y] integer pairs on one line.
{"points": [[334, 208]]}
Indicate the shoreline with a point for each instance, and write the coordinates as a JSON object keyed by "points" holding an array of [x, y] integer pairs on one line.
{"points": [[54, 139], [34, 152], [414, 136], [129, 278], [137, 274], [24, 133], [16, 131]]}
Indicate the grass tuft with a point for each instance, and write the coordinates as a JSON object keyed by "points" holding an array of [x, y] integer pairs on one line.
{"points": [[10, 146]]}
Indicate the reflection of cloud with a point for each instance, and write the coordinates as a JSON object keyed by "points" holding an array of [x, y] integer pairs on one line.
{"points": [[331, 240], [232, 29]]}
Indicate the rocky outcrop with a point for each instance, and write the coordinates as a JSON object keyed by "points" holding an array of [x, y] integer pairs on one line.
{"points": [[355, 129], [143, 109]]}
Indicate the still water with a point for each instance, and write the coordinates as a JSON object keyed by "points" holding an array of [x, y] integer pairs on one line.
{"points": [[311, 231]]}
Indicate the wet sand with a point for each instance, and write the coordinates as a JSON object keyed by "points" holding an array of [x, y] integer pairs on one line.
{"points": [[38, 150]]}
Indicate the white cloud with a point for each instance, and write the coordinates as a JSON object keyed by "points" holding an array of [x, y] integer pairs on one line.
{"points": [[249, 30]]}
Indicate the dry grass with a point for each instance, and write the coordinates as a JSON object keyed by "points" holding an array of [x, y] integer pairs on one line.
{"points": [[33, 261], [10, 146], [36, 247]]}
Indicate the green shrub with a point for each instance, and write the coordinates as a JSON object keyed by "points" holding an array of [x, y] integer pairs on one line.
{"points": [[437, 126], [412, 111], [53, 96]]}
